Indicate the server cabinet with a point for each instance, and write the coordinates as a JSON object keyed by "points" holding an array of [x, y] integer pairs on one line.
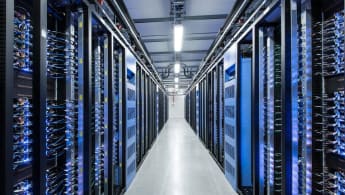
{"points": [[209, 94], [129, 91], [244, 112], [205, 113], [323, 89], [69, 104], [146, 100], [6, 86], [301, 98], [143, 111], [268, 100], [65, 92], [220, 116], [117, 170], [42, 141], [19, 141], [138, 106], [166, 109], [157, 110], [230, 115], [187, 100], [215, 127], [197, 110], [150, 100], [192, 109], [100, 105], [297, 91]]}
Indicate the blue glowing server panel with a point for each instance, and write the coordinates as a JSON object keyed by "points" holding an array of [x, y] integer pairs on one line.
{"points": [[230, 126], [130, 128]]}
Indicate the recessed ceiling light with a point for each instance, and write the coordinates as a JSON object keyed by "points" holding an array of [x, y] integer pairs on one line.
{"points": [[178, 37], [176, 79], [177, 68]]}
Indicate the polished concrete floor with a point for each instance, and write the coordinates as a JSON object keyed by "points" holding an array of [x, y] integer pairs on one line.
{"points": [[178, 164]]}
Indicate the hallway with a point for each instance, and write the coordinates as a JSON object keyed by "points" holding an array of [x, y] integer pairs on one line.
{"points": [[178, 164]]}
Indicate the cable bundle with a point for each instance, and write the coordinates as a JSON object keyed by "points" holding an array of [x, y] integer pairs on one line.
{"points": [[22, 40], [55, 181], [334, 45], [56, 125], [22, 141], [23, 188], [61, 61]]}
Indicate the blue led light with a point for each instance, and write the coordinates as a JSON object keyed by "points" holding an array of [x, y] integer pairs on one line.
{"points": [[22, 133], [22, 40], [23, 188]]}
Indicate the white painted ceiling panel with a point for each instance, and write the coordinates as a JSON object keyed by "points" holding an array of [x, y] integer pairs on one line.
{"points": [[164, 57], [208, 7], [196, 45], [202, 26], [158, 36], [162, 64], [154, 28], [193, 56], [158, 46], [148, 8]]}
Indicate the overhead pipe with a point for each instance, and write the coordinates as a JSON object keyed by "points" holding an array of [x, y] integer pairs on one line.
{"points": [[187, 73], [166, 74]]}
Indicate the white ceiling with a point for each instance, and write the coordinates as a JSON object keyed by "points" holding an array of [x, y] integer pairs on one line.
{"points": [[153, 22], [148, 8], [208, 7]]}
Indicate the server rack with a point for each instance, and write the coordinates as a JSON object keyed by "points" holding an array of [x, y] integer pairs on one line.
{"points": [[149, 121], [324, 94], [139, 116], [197, 110], [296, 78], [245, 161], [163, 109], [192, 109], [231, 115], [187, 104], [157, 110], [270, 99], [204, 112], [67, 106], [115, 135], [129, 91]]}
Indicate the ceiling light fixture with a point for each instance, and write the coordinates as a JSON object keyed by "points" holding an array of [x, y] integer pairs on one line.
{"points": [[177, 68], [176, 79], [176, 86], [178, 37]]}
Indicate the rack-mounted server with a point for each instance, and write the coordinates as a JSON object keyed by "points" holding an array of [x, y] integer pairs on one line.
{"points": [[208, 125], [149, 108], [69, 103], [230, 115], [291, 132], [325, 87]]}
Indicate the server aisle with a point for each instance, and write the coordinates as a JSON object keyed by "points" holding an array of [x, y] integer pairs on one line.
{"points": [[178, 163], [277, 104], [70, 106]]}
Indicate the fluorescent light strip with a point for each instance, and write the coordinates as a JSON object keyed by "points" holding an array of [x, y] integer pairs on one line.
{"points": [[176, 79], [177, 68], [178, 37]]}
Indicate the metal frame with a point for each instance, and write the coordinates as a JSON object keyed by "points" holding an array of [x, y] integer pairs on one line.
{"points": [[39, 95], [6, 89]]}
